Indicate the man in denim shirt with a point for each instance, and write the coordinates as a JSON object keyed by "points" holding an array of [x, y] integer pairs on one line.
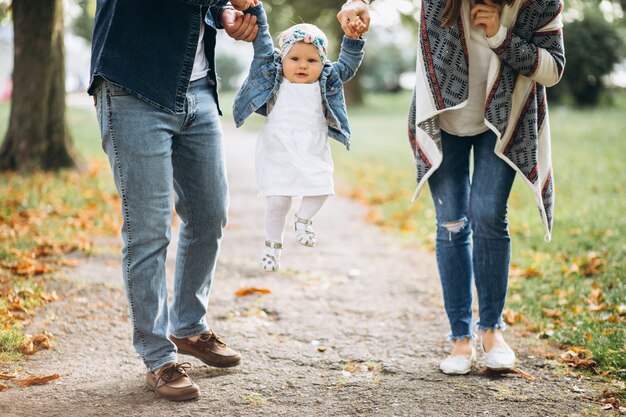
{"points": [[154, 84]]}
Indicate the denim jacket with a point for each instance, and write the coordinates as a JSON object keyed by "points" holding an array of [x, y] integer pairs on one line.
{"points": [[259, 91], [149, 46]]}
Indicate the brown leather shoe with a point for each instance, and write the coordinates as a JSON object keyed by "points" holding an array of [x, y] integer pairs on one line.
{"points": [[172, 382], [210, 349]]}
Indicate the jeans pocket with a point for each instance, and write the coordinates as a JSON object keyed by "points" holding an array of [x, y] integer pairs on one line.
{"points": [[114, 90]]}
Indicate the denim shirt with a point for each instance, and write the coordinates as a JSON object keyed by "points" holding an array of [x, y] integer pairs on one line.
{"points": [[148, 46], [259, 91]]}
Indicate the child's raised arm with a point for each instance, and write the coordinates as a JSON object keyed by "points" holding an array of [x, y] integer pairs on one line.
{"points": [[350, 58], [263, 44]]}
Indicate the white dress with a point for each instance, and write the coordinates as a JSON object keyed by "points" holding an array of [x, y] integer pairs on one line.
{"points": [[292, 153]]}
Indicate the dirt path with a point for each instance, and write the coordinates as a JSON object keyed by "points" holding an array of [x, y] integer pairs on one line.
{"points": [[354, 326]]}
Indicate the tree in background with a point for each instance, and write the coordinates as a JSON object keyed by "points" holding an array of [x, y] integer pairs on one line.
{"points": [[593, 47], [38, 137], [594, 44], [83, 23]]}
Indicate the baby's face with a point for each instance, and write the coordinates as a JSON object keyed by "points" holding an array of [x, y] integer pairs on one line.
{"points": [[303, 64]]}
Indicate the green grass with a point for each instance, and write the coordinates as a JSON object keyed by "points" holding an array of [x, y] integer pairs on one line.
{"points": [[10, 341]]}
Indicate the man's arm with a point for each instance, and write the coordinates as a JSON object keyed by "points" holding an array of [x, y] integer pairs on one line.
{"points": [[237, 25], [237, 4]]}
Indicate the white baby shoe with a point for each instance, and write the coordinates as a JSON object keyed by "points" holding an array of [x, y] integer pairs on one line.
{"points": [[304, 232], [500, 358], [458, 364], [271, 256]]}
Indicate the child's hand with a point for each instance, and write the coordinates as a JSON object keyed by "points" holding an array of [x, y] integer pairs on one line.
{"points": [[354, 15], [243, 4], [358, 27], [487, 16]]}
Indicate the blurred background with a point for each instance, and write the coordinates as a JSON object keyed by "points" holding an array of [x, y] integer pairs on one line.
{"points": [[571, 291]]}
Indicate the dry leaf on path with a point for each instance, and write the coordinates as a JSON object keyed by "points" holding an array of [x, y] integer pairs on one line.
{"points": [[251, 290], [36, 380], [3, 387], [35, 344], [519, 372], [4, 375]]}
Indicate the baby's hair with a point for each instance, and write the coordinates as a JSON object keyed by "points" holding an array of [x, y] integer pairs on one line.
{"points": [[306, 27]]}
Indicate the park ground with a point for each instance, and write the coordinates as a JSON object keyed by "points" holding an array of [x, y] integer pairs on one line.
{"points": [[354, 326]]}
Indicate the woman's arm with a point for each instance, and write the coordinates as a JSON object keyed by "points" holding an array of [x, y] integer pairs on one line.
{"points": [[541, 59]]}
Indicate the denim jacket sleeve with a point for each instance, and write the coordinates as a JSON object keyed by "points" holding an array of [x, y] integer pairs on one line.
{"points": [[213, 17], [205, 2], [350, 58], [263, 44]]}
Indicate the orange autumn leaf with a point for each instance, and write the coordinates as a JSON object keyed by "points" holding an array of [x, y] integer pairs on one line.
{"points": [[510, 317], [36, 380], [35, 344], [595, 297], [17, 307], [4, 375], [3, 387], [552, 312], [251, 290], [531, 273]]}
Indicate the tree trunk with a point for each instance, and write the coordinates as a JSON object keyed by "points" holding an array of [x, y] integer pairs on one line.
{"points": [[354, 90], [38, 137]]}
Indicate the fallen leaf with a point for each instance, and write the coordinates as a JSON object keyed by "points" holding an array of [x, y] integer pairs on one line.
{"points": [[595, 297], [525, 375], [36, 380], [35, 344], [251, 290], [552, 312], [3, 387], [4, 375], [511, 317]]}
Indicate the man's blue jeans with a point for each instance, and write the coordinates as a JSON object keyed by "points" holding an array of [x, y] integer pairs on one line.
{"points": [[152, 153], [472, 230]]}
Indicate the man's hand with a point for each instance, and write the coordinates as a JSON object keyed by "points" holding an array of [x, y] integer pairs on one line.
{"points": [[354, 18], [239, 26], [243, 4], [487, 16]]}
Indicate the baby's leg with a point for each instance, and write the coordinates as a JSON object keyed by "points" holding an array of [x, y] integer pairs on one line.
{"points": [[275, 218], [308, 209]]}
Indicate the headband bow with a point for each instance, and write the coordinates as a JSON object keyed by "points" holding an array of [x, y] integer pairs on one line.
{"points": [[298, 35]]}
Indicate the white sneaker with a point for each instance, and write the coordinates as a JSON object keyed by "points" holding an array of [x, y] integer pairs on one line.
{"points": [[500, 358], [458, 364]]}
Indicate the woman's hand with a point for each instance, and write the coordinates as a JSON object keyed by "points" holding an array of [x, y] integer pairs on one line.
{"points": [[354, 18], [239, 26], [487, 16], [243, 4]]}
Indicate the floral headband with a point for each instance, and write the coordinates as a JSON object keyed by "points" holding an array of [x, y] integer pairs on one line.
{"points": [[298, 35]]}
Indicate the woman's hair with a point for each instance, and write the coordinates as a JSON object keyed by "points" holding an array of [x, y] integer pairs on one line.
{"points": [[306, 27], [452, 9]]}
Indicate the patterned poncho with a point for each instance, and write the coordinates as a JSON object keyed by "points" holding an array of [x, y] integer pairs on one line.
{"points": [[530, 58]]}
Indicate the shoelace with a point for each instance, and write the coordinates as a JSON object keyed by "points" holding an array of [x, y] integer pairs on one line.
{"points": [[210, 335], [167, 375]]}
